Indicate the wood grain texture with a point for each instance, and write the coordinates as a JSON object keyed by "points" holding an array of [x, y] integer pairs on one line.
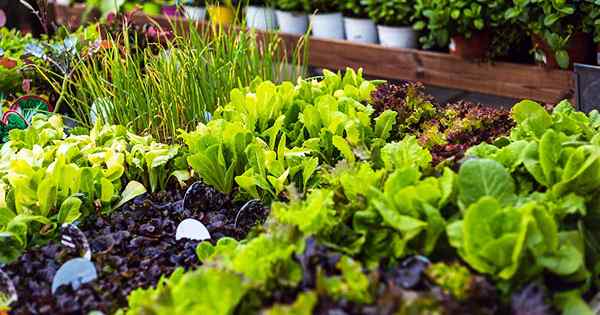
{"points": [[439, 69]]}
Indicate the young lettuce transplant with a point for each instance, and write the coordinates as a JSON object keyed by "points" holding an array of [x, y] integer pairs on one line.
{"points": [[49, 178], [520, 209], [270, 136]]}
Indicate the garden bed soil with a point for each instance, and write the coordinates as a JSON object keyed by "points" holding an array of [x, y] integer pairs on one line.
{"points": [[131, 248]]}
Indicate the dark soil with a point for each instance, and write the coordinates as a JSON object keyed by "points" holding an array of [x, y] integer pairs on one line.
{"points": [[131, 248]]}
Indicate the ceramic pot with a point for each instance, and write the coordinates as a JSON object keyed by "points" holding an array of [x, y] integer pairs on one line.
{"points": [[292, 22], [360, 30], [328, 25], [397, 36]]}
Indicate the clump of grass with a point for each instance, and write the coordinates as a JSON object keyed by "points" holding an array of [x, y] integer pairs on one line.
{"points": [[159, 91]]}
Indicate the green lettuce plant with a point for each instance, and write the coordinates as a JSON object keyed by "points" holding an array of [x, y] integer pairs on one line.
{"points": [[49, 178]]}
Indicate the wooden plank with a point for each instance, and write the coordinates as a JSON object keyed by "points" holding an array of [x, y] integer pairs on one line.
{"points": [[439, 69]]}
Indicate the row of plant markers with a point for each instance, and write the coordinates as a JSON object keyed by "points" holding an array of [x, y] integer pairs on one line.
{"points": [[376, 208]]}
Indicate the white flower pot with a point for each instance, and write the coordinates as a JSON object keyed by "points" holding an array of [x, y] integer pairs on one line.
{"points": [[328, 25], [360, 30], [261, 18], [397, 37], [292, 22], [63, 2], [194, 13]]}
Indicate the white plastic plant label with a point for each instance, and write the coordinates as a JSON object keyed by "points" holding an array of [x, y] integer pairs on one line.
{"points": [[192, 229], [452, 45], [74, 272]]}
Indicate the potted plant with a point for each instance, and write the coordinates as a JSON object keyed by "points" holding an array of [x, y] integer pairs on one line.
{"points": [[393, 18], [260, 14], [221, 11], [591, 22], [291, 17], [326, 18], [462, 26], [195, 10], [556, 30], [358, 26]]}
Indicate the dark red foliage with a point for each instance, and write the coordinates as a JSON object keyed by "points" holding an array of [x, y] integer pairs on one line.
{"points": [[407, 99], [132, 248], [446, 130]]}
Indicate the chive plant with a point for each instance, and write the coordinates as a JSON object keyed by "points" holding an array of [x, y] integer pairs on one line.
{"points": [[159, 93]]}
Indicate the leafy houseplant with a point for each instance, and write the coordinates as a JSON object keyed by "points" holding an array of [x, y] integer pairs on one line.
{"points": [[591, 22], [326, 18], [291, 16], [556, 29], [358, 26], [464, 24], [393, 20], [321, 6]]}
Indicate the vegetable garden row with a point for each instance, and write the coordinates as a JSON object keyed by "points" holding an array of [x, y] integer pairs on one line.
{"points": [[167, 171]]}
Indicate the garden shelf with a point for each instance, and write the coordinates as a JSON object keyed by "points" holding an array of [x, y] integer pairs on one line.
{"points": [[440, 69]]}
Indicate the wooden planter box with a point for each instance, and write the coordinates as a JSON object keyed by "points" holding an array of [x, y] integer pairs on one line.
{"points": [[432, 68]]}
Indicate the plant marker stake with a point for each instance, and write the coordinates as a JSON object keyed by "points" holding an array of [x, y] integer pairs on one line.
{"points": [[73, 238], [188, 194], [74, 272], [192, 229], [79, 270], [7, 289], [246, 205]]}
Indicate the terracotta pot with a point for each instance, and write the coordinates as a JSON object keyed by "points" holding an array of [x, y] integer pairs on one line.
{"points": [[579, 49], [475, 47]]}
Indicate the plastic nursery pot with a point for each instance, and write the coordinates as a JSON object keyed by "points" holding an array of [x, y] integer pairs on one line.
{"points": [[169, 10], [360, 30], [397, 36], [220, 15], [151, 8], [194, 13], [292, 22], [579, 49], [261, 18], [474, 47], [328, 25]]}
